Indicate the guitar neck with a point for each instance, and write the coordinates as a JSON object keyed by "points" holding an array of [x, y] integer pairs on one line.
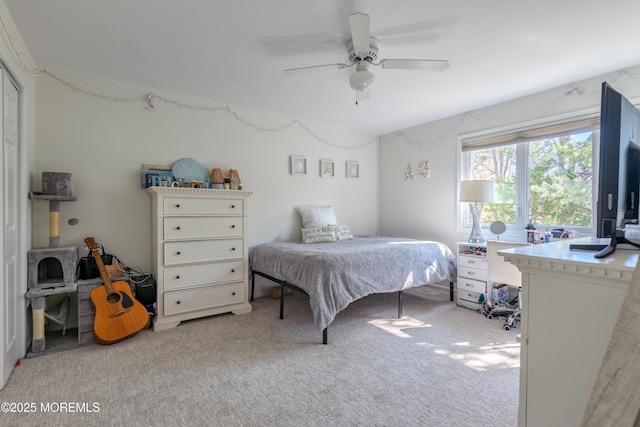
{"points": [[103, 270]]}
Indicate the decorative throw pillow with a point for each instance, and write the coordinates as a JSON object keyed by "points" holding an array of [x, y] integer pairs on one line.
{"points": [[314, 216], [319, 234], [343, 232]]}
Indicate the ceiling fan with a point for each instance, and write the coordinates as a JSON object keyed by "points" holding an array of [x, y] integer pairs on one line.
{"points": [[362, 52]]}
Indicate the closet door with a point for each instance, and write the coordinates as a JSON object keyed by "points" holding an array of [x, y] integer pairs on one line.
{"points": [[11, 323]]}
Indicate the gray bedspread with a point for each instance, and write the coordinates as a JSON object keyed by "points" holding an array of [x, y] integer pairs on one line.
{"points": [[336, 274]]}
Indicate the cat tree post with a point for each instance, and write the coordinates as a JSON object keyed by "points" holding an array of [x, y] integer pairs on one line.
{"points": [[54, 223]]}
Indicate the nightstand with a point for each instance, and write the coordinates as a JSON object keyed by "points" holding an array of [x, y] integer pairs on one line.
{"points": [[472, 273]]}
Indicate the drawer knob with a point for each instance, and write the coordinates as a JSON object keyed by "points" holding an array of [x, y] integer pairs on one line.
{"points": [[233, 293], [178, 228], [177, 277], [233, 249], [233, 206], [233, 226], [178, 205], [178, 253], [178, 302], [233, 270]]}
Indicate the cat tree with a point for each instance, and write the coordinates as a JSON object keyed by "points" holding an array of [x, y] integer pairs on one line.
{"points": [[51, 271]]}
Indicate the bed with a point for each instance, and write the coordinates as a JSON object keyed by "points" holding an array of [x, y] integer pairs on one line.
{"points": [[334, 274]]}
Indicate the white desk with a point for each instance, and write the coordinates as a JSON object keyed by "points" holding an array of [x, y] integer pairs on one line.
{"points": [[570, 302]]}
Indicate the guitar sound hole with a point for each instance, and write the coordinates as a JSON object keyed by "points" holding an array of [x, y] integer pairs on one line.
{"points": [[114, 298]]}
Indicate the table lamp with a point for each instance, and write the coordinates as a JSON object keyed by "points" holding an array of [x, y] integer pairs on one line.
{"points": [[477, 193]]}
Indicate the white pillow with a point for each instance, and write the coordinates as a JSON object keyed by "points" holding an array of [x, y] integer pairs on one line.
{"points": [[314, 216], [319, 234], [343, 232]]}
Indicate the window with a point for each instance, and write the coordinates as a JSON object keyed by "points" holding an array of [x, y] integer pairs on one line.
{"points": [[542, 175]]}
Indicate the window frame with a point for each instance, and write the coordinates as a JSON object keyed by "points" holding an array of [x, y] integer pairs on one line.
{"points": [[520, 135]]}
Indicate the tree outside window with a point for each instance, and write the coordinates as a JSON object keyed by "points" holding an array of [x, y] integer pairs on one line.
{"points": [[555, 175]]}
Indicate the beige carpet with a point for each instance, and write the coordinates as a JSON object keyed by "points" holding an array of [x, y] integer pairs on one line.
{"points": [[440, 365]]}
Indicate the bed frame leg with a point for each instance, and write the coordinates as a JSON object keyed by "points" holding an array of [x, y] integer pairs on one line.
{"points": [[253, 283], [450, 291], [400, 304], [324, 336], [282, 300]]}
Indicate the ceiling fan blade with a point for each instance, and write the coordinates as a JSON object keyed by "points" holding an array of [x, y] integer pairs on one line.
{"points": [[415, 64], [363, 96], [415, 28], [312, 69], [298, 44], [360, 32]]}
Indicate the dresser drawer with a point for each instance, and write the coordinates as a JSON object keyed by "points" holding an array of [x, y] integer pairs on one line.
{"points": [[472, 261], [465, 284], [177, 228], [176, 302], [183, 276], [202, 206], [472, 273], [202, 251]]}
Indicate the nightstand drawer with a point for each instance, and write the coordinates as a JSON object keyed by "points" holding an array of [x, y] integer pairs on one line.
{"points": [[472, 273], [465, 284], [472, 261], [468, 296], [468, 304]]}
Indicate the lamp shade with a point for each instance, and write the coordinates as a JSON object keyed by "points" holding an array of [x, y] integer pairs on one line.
{"points": [[476, 191]]}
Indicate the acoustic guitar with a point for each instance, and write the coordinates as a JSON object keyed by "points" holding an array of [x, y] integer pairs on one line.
{"points": [[118, 314]]}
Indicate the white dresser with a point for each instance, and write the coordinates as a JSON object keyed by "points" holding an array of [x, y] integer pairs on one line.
{"points": [[200, 253], [571, 302], [472, 273]]}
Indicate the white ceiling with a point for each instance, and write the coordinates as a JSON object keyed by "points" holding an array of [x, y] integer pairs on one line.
{"points": [[233, 52]]}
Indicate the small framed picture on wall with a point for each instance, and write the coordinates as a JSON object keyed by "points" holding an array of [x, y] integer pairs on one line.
{"points": [[353, 169], [326, 168], [298, 165]]}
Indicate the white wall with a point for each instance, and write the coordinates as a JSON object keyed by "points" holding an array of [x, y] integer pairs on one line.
{"points": [[426, 208], [103, 144]]}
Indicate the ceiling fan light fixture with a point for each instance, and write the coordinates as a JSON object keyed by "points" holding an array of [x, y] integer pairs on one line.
{"points": [[362, 51], [362, 80]]}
